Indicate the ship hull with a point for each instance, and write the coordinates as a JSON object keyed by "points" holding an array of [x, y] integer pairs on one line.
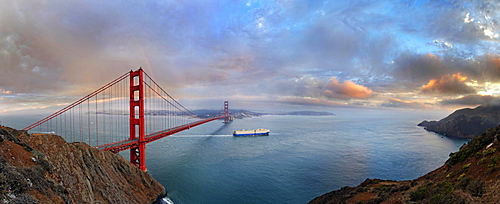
{"points": [[257, 132]]}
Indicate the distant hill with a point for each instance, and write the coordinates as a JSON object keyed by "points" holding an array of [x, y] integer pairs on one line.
{"points": [[465, 123], [469, 176], [236, 113], [239, 113], [305, 113]]}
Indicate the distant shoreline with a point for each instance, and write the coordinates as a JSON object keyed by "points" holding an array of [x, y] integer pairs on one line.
{"points": [[236, 113]]}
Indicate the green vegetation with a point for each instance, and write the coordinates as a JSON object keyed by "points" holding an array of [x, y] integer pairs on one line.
{"points": [[436, 193], [466, 166], [449, 175], [489, 151], [385, 188], [473, 147], [493, 163], [421, 193]]}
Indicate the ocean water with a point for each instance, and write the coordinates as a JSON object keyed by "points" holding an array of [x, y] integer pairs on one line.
{"points": [[303, 157]]}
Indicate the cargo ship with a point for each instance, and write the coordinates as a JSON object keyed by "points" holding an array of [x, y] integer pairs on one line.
{"points": [[255, 132]]}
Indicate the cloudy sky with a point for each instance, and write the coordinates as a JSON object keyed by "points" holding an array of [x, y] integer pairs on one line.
{"points": [[388, 54]]}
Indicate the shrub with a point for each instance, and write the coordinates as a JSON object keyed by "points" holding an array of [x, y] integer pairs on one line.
{"points": [[489, 151], [466, 166], [474, 146], [433, 193], [491, 167], [385, 188], [461, 177], [449, 175], [421, 193]]}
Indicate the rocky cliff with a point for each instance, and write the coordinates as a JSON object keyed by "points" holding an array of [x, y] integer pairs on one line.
{"points": [[472, 175], [38, 168], [465, 123]]}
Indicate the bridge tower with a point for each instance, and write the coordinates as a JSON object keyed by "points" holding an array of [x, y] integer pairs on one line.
{"points": [[137, 154], [226, 112]]}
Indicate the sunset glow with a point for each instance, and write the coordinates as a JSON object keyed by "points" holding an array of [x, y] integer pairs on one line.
{"points": [[329, 53]]}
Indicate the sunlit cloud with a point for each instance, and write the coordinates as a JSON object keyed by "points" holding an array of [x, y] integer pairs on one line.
{"points": [[448, 84], [3, 91], [321, 52], [347, 89]]}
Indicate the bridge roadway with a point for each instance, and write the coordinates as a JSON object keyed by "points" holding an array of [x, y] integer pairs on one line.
{"points": [[128, 144]]}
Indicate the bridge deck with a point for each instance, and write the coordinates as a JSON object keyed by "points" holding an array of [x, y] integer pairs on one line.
{"points": [[131, 143]]}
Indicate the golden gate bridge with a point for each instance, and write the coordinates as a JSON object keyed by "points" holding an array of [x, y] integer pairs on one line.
{"points": [[125, 114]]}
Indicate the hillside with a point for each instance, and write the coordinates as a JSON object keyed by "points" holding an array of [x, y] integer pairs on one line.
{"points": [[465, 123], [38, 168], [471, 175]]}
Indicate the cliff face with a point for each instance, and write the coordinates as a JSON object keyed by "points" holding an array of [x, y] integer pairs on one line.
{"points": [[465, 123], [40, 168], [472, 175]]}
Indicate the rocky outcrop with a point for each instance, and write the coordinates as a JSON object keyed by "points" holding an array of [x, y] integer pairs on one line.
{"points": [[39, 168], [465, 123], [472, 175]]}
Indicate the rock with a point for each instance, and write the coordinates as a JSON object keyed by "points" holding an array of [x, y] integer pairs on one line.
{"points": [[49, 170], [465, 123]]}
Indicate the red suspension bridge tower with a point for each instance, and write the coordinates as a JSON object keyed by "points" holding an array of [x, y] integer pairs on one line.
{"points": [[98, 119], [137, 154]]}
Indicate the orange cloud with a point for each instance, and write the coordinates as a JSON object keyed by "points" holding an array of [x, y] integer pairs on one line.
{"points": [[3, 91], [448, 84], [347, 89], [495, 61]]}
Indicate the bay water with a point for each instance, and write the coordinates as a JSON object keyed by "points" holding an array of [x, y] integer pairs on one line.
{"points": [[303, 157]]}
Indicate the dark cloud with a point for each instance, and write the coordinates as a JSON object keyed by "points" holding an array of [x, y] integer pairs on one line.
{"points": [[472, 100], [420, 68], [488, 68], [415, 67]]}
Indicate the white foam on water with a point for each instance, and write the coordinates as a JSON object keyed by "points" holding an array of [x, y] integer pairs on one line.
{"points": [[167, 200]]}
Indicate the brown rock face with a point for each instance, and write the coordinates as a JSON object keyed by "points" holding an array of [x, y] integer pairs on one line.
{"points": [[69, 173], [465, 123]]}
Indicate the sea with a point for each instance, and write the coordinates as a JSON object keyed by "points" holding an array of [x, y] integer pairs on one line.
{"points": [[303, 156]]}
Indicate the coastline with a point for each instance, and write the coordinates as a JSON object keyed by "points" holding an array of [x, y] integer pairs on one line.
{"points": [[468, 176]]}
